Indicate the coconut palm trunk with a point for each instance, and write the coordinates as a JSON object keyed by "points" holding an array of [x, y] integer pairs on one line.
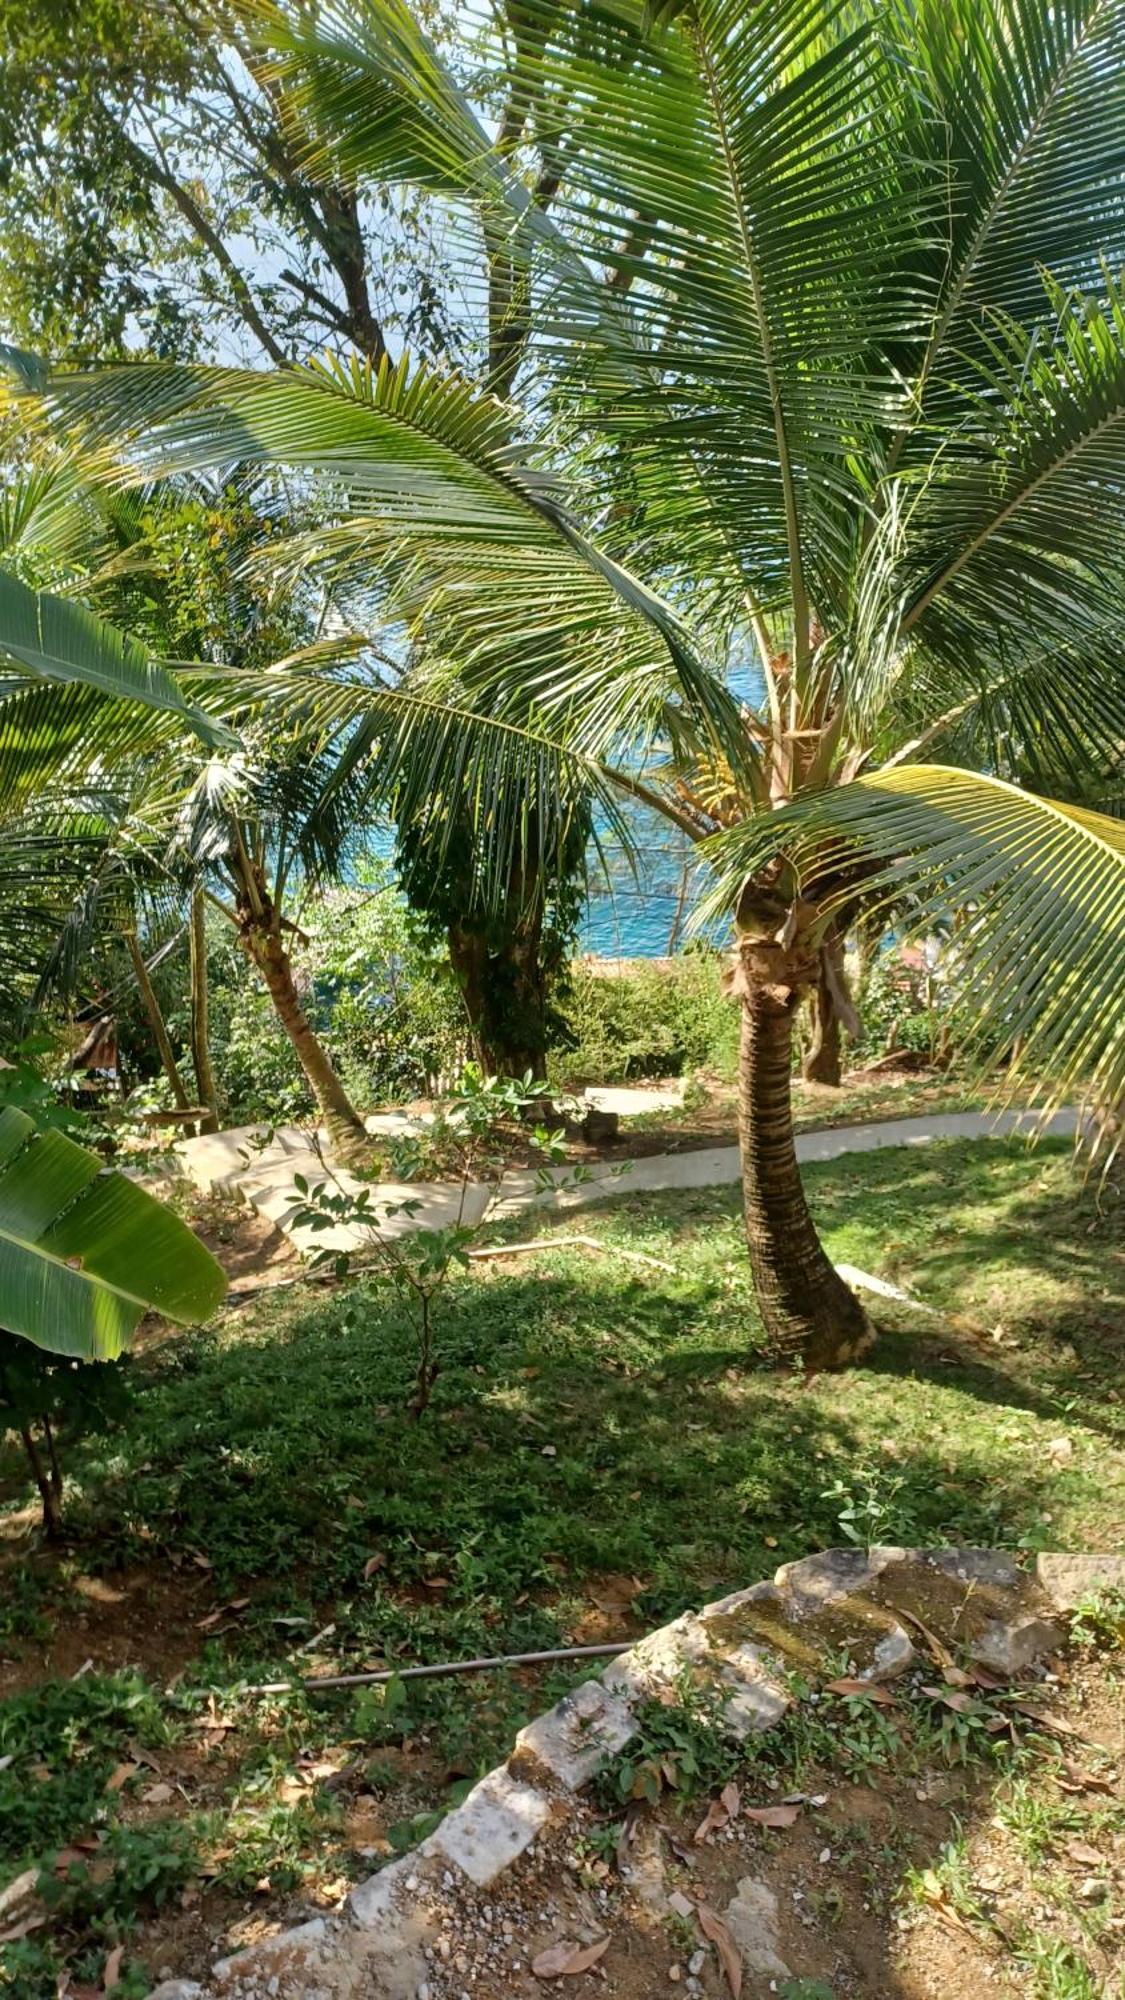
{"points": [[808, 1311], [156, 1022], [823, 1062]]}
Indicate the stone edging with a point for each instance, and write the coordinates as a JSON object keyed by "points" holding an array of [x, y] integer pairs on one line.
{"points": [[383, 1943]]}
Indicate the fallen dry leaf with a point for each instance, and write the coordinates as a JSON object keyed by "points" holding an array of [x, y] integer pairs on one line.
{"points": [[731, 1798], [157, 1795], [1078, 1780], [120, 1776], [939, 1650], [772, 1815], [869, 1688], [714, 1928], [1081, 1851], [1047, 1719], [713, 1821], [111, 1977], [958, 1702], [566, 1960], [371, 1565], [22, 1930], [18, 1890]]}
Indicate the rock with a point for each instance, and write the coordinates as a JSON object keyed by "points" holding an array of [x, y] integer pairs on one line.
{"points": [[372, 1902], [177, 1989], [990, 1567], [1066, 1580], [696, 1963], [835, 1573], [751, 1918], [498, 1821], [718, 1660], [1010, 1646], [577, 1737]]}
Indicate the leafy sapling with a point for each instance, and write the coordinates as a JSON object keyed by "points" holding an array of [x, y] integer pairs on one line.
{"points": [[469, 1146]]}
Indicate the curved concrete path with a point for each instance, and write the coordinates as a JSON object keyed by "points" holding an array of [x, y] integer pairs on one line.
{"points": [[265, 1177]]}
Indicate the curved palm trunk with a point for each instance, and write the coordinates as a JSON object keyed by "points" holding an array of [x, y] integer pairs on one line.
{"points": [[342, 1122], [808, 1310]]}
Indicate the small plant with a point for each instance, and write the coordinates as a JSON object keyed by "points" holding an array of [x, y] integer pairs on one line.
{"points": [[469, 1145], [870, 1509], [678, 1748], [1098, 1620]]}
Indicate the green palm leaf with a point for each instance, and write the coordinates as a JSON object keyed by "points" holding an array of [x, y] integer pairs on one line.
{"points": [[436, 504], [53, 639], [1039, 886], [85, 1252]]}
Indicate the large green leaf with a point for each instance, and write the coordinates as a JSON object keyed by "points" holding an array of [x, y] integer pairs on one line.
{"points": [[55, 640], [85, 1252]]}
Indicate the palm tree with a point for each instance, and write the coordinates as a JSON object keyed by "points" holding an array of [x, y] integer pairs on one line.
{"points": [[794, 389]]}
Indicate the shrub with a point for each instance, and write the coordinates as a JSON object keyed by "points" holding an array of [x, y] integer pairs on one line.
{"points": [[660, 1018]]}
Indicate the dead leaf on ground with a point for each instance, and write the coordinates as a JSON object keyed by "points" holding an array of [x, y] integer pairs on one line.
{"points": [[713, 1821], [772, 1815], [121, 1776], [111, 1977], [16, 1931], [959, 1703], [372, 1564], [1082, 1852], [157, 1795], [731, 1798], [714, 1928], [871, 1689], [937, 1646], [1047, 1719], [1078, 1780], [566, 1960]]}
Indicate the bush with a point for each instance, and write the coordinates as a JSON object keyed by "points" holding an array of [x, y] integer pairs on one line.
{"points": [[660, 1018]]}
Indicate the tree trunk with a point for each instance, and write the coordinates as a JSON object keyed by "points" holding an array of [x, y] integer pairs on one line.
{"points": [[832, 1010], [48, 1482], [809, 1313], [200, 1044], [505, 993], [342, 1122], [823, 1063], [156, 1022]]}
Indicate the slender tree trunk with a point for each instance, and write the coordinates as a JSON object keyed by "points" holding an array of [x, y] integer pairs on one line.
{"points": [[809, 1312], [200, 1044], [156, 1022], [342, 1122], [505, 994], [48, 1482]]}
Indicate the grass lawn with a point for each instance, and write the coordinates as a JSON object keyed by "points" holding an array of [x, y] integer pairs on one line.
{"points": [[605, 1447]]}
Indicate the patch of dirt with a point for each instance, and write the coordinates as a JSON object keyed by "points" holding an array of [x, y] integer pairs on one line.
{"points": [[145, 1618]]}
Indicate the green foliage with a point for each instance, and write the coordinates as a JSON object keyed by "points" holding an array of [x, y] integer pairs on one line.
{"points": [[65, 1740], [679, 1747], [659, 1019], [468, 1146]]}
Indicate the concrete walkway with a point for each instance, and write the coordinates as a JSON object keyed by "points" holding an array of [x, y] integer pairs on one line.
{"points": [[264, 1175]]}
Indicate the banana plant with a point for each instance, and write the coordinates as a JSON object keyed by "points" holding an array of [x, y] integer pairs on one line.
{"points": [[85, 1252]]}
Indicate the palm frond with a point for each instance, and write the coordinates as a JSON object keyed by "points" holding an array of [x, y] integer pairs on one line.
{"points": [[1023, 112], [1037, 889], [435, 500]]}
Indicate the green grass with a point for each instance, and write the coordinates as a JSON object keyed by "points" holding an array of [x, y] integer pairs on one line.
{"points": [[594, 1418]]}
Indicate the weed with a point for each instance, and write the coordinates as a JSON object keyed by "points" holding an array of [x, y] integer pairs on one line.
{"points": [[679, 1747], [1057, 1971], [1098, 1621]]}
